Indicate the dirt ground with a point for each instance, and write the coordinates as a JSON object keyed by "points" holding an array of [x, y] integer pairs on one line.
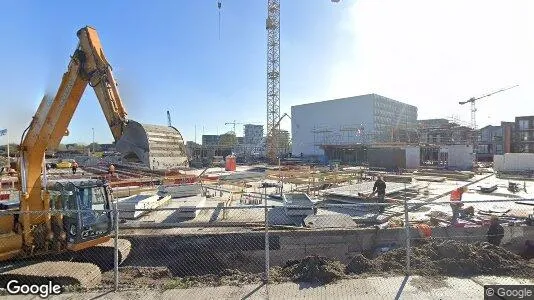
{"points": [[161, 278], [447, 258], [431, 259]]}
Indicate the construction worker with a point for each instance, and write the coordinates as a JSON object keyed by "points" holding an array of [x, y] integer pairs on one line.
{"points": [[111, 170], [456, 203], [380, 189], [495, 232], [74, 167]]}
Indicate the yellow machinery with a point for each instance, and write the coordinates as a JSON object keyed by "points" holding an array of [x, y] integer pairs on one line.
{"points": [[25, 233]]}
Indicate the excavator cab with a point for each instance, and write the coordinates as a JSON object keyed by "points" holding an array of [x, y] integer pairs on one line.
{"points": [[86, 216]]}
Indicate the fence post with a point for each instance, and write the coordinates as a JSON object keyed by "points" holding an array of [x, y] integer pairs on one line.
{"points": [[407, 228], [116, 246], [266, 210]]}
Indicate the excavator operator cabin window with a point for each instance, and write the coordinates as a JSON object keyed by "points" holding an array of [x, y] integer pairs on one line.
{"points": [[98, 196]]}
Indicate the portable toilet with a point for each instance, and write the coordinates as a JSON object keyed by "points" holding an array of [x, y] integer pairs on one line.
{"points": [[230, 163]]}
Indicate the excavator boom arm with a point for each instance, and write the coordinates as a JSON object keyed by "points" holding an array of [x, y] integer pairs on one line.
{"points": [[100, 76], [88, 65]]}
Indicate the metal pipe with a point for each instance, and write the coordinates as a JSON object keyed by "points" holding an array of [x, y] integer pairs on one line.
{"points": [[407, 228], [266, 210], [116, 245]]}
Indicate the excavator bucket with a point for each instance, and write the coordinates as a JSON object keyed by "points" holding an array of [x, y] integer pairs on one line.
{"points": [[154, 146]]}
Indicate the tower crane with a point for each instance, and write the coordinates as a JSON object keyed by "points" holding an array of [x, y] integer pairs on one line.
{"points": [[273, 77], [272, 25], [473, 107], [233, 123], [473, 116]]}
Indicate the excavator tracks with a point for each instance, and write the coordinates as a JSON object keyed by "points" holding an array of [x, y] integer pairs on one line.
{"points": [[82, 268]]}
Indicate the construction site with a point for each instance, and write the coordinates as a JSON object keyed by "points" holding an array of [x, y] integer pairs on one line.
{"points": [[155, 211]]}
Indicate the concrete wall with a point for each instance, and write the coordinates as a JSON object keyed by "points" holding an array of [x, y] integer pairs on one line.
{"points": [[391, 157], [344, 244], [387, 157], [413, 157], [510, 162], [328, 115], [202, 253], [460, 157]]}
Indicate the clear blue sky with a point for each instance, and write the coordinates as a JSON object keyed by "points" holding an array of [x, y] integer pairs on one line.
{"points": [[165, 55]]}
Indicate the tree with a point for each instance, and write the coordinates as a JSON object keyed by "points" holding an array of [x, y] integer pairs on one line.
{"points": [[228, 140], [94, 147]]}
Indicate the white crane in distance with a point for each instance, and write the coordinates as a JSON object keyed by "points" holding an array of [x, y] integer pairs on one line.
{"points": [[474, 121], [473, 106]]}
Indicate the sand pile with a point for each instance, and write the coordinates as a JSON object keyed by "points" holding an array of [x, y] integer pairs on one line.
{"points": [[447, 257]]}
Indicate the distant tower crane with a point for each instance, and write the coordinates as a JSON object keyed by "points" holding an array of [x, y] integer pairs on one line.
{"points": [[233, 123], [473, 107], [273, 77], [474, 120]]}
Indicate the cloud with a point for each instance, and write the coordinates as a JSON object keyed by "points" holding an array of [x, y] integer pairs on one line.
{"points": [[433, 54]]}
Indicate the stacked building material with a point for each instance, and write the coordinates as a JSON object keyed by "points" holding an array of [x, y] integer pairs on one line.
{"points": [[129, 205], [179, 190]]}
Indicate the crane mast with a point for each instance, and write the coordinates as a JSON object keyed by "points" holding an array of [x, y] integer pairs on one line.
{"points": [[273, 77]]}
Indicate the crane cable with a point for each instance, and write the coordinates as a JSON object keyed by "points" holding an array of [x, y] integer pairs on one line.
{"points": [[219, 4]]}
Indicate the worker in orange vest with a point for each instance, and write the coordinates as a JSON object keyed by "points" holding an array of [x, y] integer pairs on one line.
{"points": [[74, 167], [456, 203]]}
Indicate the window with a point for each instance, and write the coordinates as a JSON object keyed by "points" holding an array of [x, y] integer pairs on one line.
{"points": [[498, 149], [524, 136], [523, 124]]}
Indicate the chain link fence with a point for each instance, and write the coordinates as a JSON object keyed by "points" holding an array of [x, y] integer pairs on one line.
{"points": [[253, 240]]}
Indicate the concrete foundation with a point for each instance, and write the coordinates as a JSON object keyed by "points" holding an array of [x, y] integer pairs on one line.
{"points": [[204, 253]]}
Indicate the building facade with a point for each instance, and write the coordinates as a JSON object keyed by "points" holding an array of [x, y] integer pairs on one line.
{"points": [[253, 134], [524, 134], [284, 142], [210, 139], [490, 142], [365, 119], [443, 132]]}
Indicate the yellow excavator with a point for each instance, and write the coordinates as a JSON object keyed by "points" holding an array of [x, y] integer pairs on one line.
{"points": [[84, 219]]}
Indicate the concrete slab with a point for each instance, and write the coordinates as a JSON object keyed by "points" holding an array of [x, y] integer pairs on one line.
{"points": [[186, 208], [141, 201], [297, 204], [351, 191], [179, 190]]}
